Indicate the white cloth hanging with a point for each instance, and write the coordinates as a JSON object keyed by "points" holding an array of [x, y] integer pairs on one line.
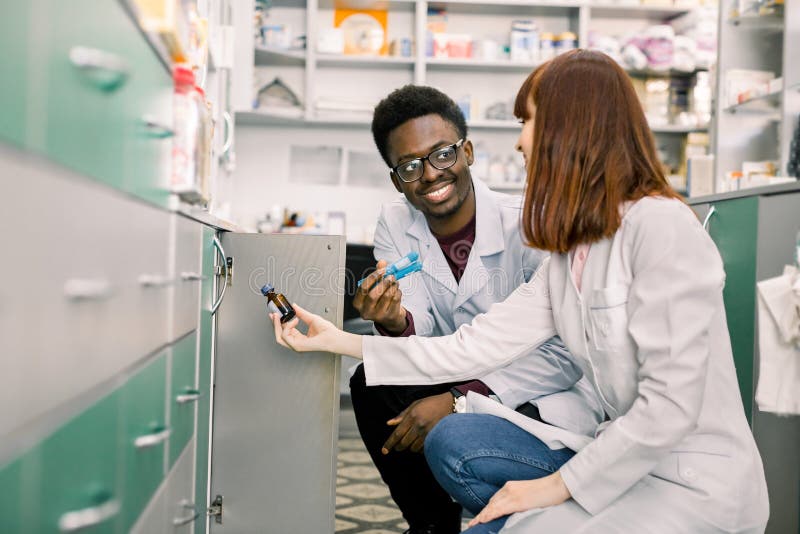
{"points": [[778, 388]]}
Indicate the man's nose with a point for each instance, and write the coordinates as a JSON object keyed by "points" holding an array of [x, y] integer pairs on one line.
{"points": [[429, 172]]}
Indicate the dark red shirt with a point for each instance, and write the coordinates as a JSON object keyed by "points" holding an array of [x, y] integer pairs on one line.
{"points": [[456, 248]]}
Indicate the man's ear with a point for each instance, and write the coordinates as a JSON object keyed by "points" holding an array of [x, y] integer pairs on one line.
{"points": [[395, 181], [468, 151]]}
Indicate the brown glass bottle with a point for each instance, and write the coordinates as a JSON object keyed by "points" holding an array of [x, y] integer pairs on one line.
{"points": [[278, 303]]}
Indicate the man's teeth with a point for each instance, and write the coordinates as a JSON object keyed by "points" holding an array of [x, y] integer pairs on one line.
{"points": [[439, 193]]}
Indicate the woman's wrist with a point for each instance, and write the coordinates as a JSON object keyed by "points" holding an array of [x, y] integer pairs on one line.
{"points": [[349, 344]]}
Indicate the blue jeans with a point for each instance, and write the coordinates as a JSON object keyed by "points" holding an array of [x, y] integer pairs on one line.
{"points": [[474, 455]]}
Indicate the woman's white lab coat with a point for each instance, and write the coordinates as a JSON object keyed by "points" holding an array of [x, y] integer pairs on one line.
{"points": [[648, 328]]}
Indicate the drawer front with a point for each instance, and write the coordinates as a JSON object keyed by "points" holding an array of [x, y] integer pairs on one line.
{"points": [[77, 468], [187, 275], [145, 435], [87, 298], [15, 35], [182, 510], [171, 510], [184, 395], [11, 505], [96, 85]]}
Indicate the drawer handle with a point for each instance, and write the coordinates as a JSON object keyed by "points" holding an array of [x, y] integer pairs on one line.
{"points": [[88, 517], [226, 146], [154, 280], [185, 520], [191, 395], [155, 129], [711, 211], [87, 289], [191, 277], [151, 440], [107, 71]]}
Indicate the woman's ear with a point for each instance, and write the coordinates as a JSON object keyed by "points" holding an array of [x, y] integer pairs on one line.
{"points": [[468, 152]]}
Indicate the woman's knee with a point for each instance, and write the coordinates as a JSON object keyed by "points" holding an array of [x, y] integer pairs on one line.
{"points": [[450, 438]]}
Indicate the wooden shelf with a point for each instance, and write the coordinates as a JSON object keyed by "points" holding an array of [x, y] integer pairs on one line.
{"points": [[274, 56], [771, 23], [477, 64], [489, 124], [651, 73], [636, 11], [764, 103], [677, 129], [380, 62]]}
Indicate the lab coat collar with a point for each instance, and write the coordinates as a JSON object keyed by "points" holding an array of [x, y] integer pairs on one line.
{"points": [[489, 240]]}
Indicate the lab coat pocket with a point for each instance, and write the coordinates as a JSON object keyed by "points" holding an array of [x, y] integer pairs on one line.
{"points": [[608, 318]]}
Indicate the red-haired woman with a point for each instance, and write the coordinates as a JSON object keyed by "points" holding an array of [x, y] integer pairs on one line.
{"points": [[634, 289]]}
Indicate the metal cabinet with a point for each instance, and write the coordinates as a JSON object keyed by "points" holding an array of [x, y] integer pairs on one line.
{"points": [[87, 287], [88, 92], [756, 238], [275, 413], [733, 225]]}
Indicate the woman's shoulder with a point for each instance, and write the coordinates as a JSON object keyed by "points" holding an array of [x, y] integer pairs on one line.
{"points": [[661, 214], [658, 226]]}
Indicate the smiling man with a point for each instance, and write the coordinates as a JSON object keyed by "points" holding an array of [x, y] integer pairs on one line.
{"points": [[468, 239]]}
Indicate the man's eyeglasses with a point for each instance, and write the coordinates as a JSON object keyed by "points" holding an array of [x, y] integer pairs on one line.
{"points": [[441, 158]]}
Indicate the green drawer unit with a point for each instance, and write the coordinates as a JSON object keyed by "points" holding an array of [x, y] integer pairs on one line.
{"points": [[204, 360], [184, 395], [734, 227], [11, 477], [143, 413], [103, 98], [73, 477], [15, 35]]}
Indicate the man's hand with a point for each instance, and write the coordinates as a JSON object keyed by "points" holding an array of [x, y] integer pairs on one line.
{"points": [[414, 423], [378, 300]]}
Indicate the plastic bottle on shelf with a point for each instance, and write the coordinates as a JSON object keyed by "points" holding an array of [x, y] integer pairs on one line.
{"points": [[565, 42], [659, 46], [497, 171], [480, 167], [205, 135], [546, 46], [185, 143]]}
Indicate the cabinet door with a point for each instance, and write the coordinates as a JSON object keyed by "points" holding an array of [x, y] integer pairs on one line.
{"points": [[733, 226], [204, 375], [778, 436], [275, 412]]}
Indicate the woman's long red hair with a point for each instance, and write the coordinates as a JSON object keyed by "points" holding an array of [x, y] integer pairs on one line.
{"points": [[592, 151]]}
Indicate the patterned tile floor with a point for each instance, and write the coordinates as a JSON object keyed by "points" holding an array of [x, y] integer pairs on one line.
{"points": [[363, 503]]}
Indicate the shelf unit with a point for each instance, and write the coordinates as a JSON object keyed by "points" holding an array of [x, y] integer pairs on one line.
{"points": [[762, 127], [314, 76]]}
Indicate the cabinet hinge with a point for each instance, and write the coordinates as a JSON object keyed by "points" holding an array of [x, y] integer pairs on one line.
{"points": [[216, 509]]}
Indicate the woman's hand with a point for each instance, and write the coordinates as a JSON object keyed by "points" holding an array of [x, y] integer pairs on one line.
{"points": [[322, 335], [522, 495]]}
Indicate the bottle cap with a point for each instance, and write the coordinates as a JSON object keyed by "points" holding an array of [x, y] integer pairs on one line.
{"points": [[183, 76], [267, 289]]}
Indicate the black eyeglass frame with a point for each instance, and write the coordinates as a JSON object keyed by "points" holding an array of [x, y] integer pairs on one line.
{"points": [[455, 146]]}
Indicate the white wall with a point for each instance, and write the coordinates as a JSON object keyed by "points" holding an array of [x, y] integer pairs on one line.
{"points": [[261, 178]]}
